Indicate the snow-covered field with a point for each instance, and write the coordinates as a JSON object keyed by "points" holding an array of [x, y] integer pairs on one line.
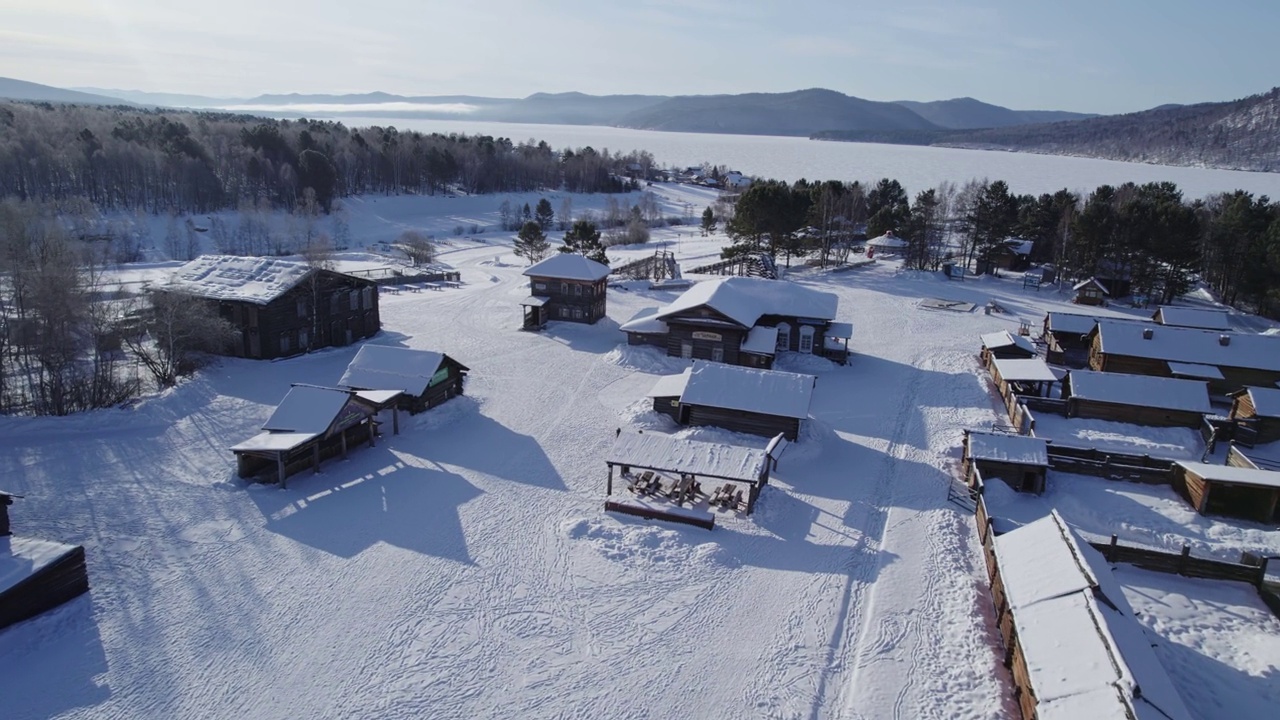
{"points": [[465, 568]]}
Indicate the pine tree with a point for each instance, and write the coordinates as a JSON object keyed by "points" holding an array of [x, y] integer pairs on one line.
{"points": [[544, 215], [584, 238], [708, 221], [531, 243]]}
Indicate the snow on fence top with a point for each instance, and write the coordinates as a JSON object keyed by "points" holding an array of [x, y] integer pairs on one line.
{"points": [[1266, 401], [1086, 655], [307, 409], [745, 299], [1202, 318], [769, 392], [1002, 447], [663, 452], [228, 277], [1145, 390], [568, 266], [1024, 370], [381, 367], [1004, 339], [1232, 474], [1205, 347]]}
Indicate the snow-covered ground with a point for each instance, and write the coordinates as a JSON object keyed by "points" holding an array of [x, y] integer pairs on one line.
{"points": [[465, 568]]}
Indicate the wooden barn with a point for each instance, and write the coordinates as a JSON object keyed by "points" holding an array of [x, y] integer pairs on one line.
{"points": [[1188, 317], [35, 575], [565, 286], [424, 378], [309, 425], [1137, 399], [1239, 492], [1090, 292], [745, 321], [1022, 377], [281, 307], [1072, 642], [1228, 361], [1019, 460], [760, 402], [1006, 345], [1256, 412]]}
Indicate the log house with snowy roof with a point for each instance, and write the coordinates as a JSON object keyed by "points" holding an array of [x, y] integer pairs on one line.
{"points": [[1006, 345], [423, 378], [1090, 292], [1189, 317], [1228, 361], [281, 307], [565, 286], [759, 402], [1256, 412], [1231, 491], [35, 575], [745, 321], [1019, 460], [1136, 399]]}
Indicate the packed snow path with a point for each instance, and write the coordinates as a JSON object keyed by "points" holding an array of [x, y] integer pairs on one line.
{"points": [[465, 568]]}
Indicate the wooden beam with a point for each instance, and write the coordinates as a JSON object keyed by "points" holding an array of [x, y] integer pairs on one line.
{"points": [[315, 458], [395, 420], [280, 471]]}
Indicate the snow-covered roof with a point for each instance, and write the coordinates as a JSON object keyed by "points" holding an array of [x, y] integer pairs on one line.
{"points": [[670, 385], [1204, 347], [887, 241], [1232, 474], [1194, 370], [568, 266], [535, 301], [1002, 447], [1004, 339], [1065, 322], [840, 331], [1019, 246], [20, 558], [663, 452], [770, 392], [745, 299], [307, 409], [1202, 318], [267, 441], [229, 277], [1144, 390], [761, 340], [1266, 401], [382, 367], [646, 322], [1091, 281], [1024, 370], [1085, 651]]}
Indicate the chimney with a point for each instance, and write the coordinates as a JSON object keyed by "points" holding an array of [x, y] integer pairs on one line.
{"points": [[1147, 333], [1224, 339]]}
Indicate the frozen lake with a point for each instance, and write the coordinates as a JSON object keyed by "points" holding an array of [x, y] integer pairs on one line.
{"points": [[917, 168]]}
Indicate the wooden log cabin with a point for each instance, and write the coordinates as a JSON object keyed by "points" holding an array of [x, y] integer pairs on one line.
{"points": [[1022, 462], [1136, 399], [1228, 361], [423, 378], [1231, 491], [36, 575], [310, 425], [1090, 292], [1006, 345], [1256, 412], [745, 321], [565, 286], [1072, 642], [281, 307], [759, 402]]}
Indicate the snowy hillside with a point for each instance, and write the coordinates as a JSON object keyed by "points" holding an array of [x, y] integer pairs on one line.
{"points": [[465, 568]]}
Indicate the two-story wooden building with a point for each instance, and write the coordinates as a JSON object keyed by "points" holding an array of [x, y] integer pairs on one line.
{"points": [[281, 307], [1229, 361], [565, 286], [745, 321]]}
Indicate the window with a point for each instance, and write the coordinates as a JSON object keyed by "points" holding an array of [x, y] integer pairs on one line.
{"points": [[564, 288], [302, 339], [784, 337], [335, 301], [806, 339], [577, 290], [564, 312], [539, 286], [302, 308], [368, 298], [355, 300], [285, 342], [717, 354], [577, 313], [686, 349]]}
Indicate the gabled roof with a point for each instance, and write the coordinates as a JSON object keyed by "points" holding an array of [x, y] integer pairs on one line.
{"points": [[1019, 246], [1187, 345], [229, 277], [769, 392], [1202, 318], [745, 299], [1066, 322], [1143, 390], [381, 367], [1266, 401], [307, 409], [568, 266], [1091, 281], [887, 241], [1004, 339], [1002, 447]]}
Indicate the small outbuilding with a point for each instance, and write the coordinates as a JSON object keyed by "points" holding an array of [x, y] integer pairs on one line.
{"points": [[1256, 412], [309, 425], [1247, 493], [1005, 344], [424, 378], [759, 402], [1015, 376], [1020, 461], [565, 286], [35, 575], [1090, 292], [1137, 399]]}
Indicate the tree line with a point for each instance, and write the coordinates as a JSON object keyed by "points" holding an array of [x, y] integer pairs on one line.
{"points": [[1149, 235], [173, 161]]}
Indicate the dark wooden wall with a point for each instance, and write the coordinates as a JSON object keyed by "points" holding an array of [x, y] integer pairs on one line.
{"points": [[1136, 414], [566, 296], [738, 421], [309, 316]]}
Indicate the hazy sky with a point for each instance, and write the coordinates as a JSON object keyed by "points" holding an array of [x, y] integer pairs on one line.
{"points": [[1102, 56]]}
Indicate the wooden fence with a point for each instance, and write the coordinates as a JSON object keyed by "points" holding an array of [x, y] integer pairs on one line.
{"points": [[1111, 465]]}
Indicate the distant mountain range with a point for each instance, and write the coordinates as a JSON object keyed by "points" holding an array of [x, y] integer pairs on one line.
{"points": [[1241, 134]]}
